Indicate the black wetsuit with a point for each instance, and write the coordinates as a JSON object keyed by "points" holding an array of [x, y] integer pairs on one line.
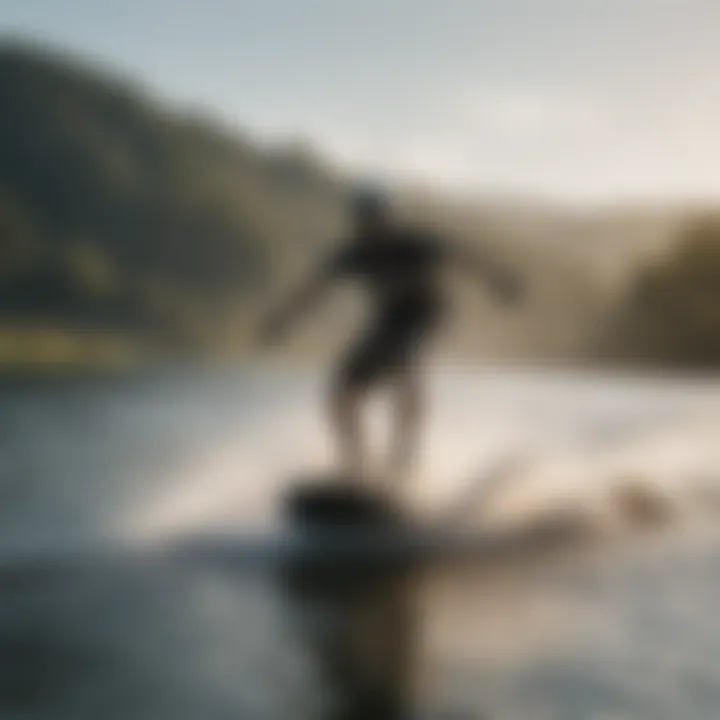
{"points": [[401, 272]]}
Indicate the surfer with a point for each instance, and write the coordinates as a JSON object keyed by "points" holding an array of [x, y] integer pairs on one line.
{"points": [[400, 268]]}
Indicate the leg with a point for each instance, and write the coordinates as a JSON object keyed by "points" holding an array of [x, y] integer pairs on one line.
{"points": [[346, 406], [410, 344], [357, 375], [388, 351], [408, 418]]}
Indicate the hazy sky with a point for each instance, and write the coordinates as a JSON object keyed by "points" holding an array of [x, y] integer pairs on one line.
{"points": [[576, 98]]}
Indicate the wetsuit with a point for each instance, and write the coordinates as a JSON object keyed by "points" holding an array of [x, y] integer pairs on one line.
{"points": [[400, 271]]}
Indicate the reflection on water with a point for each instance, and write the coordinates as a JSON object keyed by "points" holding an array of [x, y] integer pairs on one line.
{"points": [[589, 635], [359, 629], [621, 627]]}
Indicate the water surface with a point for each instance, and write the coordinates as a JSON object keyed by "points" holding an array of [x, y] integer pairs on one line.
{"points": [[86, 464]]}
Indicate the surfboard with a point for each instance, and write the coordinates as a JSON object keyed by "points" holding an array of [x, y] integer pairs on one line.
{"points": [[335, 521], [360, 549], [375, 546]]}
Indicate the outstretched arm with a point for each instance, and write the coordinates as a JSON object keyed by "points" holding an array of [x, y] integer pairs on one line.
{"points": [[297, 304], [504, 283]]}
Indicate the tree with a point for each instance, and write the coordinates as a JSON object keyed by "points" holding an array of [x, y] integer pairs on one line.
{"points": [[673, 311]]}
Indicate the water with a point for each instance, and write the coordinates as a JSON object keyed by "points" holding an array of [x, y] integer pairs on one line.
{"points": [[621, 629]]}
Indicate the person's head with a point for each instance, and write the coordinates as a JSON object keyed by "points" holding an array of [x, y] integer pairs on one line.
{"points": [[371, 209]]}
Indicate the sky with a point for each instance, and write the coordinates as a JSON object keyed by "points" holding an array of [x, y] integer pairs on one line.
{"points": [[573, 99]]}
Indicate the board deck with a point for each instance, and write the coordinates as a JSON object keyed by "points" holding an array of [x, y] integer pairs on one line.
{"points": [[335, 522], [400, 546]]}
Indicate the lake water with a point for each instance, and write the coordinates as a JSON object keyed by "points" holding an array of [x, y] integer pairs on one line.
{"points": [[90, 629]]}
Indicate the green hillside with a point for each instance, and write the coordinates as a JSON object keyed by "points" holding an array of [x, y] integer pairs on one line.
{"points": [[117, 214], [128, 227]]}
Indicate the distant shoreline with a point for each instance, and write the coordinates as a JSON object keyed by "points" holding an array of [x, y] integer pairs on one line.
{"points": [[161, 364]]}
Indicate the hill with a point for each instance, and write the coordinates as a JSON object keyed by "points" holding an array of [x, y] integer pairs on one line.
{"points": [[117, 213], [131, 222]]}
